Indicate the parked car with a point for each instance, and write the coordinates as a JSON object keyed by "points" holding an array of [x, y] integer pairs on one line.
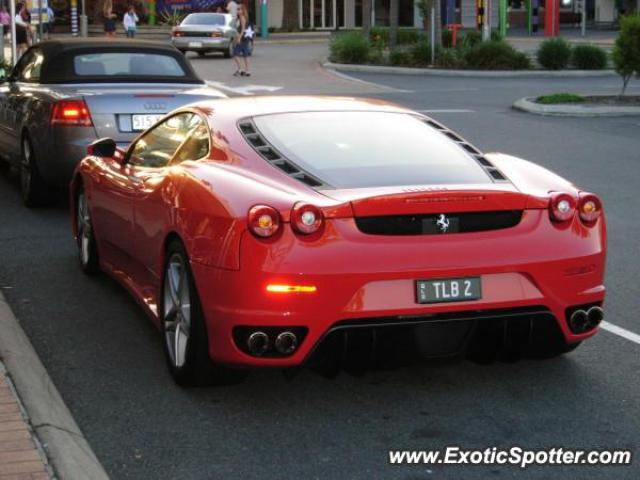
{"points": [[289, 231], [205, 32], [63, 94]]}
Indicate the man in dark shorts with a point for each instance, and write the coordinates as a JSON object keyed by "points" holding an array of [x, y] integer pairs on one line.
{"points": [[242, 45]]}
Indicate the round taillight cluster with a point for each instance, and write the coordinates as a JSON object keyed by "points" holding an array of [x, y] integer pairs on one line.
{"points": [[563, 207], [306, 219], [264, 221]]}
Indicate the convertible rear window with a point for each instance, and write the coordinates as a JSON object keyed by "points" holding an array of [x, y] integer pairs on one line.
{"points": [[126, 64], [369, 149], [204, 19]]}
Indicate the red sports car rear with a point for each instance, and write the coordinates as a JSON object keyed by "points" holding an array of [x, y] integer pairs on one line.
{"points": [[324, 231]]}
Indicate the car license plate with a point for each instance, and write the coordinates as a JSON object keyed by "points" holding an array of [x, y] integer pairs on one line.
{"points": [[195, 44], [448, 290], [142, 122]]}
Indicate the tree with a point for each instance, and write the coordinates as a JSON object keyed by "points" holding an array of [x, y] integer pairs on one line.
{"points": [[290, 15], [626, 51], [393, 23], [366, 18]]}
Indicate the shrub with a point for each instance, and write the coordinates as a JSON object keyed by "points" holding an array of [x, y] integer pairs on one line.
{"points": [[560, 98], [496, 55], [421, 52], [626, 51], [405, 36], [554, 54], [470, 39], [350, 47], [589, 57], [496, 35], [447, 38], [376, 56], [449, 58], [400, 57]]}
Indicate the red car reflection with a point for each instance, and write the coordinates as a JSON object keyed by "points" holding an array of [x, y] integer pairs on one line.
{"points": [[287, 231]]}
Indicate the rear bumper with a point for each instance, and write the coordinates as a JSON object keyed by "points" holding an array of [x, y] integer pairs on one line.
{"points": [[200, 44], [358, 277]]}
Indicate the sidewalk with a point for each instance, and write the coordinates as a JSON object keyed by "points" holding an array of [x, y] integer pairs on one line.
{"points": [[20, 456]]}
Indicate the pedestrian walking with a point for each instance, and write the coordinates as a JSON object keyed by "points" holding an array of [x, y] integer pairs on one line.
{"points": [[232, 9], [109, 19], [130, 21], [242, 45], [5, 18], [23, 29]]}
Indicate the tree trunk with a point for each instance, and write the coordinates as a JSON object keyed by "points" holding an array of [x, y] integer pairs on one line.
{"points": [[393, 23], [366, 18], [290, 18], [437, 22]]}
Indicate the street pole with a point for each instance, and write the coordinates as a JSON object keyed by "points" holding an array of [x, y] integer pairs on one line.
{"points": [[503, 18], [486, 26], [583, 17], [433, 33], [84, 21], [264, 19], [74, 18], [14, 47]]}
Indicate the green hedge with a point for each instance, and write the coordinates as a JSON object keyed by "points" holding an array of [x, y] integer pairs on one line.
{"points": [[421, 52], [495, 55], [349, 47], [554, 54], [405, 36], [589, 57]]}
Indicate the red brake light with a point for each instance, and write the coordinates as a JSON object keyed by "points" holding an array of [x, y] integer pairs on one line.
{"points": [[71, 113], [562, 207], [264, 221], [589, 207], [176, 34], [306, 219]]}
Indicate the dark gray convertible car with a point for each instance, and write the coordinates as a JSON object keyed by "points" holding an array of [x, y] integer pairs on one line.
{"points": [[64, 94]]}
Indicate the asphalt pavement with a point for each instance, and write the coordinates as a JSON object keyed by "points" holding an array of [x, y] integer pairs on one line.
{"points": [[106, 358]]}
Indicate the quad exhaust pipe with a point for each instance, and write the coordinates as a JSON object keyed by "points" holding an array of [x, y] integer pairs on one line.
{"points": [[286, 343], [258, 343], [584, 320]]}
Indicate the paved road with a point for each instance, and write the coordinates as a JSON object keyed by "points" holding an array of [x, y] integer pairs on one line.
{"points": [[106, 359]]}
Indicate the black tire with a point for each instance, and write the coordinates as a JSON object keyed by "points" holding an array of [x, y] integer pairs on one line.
{"points": [[201, 54], [196, 367], [86, 240], [228, 53], [35, 192], [184, 52]]}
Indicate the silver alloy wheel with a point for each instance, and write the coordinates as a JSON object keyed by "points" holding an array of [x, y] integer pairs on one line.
{"points": [[25, 170], [84, 229], [177, 310]]}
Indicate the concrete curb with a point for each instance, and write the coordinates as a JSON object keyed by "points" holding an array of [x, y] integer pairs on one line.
{"points": [[68, 450], [436, 72], [568, 110]]}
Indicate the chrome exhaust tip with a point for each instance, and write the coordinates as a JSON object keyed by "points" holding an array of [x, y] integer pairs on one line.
{"points": [[258, 343], [579, 321], [595, 316], [286, 343]]}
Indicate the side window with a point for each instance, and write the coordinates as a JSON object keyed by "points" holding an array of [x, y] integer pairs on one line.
{"points": [[29, 68], [157, 147], [196, 145]]}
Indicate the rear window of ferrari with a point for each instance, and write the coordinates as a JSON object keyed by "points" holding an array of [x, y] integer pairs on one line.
{"points": [[369, 149]]}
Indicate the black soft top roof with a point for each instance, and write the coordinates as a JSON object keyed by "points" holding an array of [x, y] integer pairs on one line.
{"points": [[59, 54]]}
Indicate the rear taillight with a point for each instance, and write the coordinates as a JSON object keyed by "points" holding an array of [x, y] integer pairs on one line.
{"points": [[306, 219], [71, 113], [562, 207], [176, 34], [589, 207], [264, 221]]}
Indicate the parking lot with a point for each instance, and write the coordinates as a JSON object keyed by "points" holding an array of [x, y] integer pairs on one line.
{"points": [[106, 358]]}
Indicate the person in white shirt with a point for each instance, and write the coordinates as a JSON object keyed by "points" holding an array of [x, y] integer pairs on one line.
{"points": [[232, 9], [23, 29], [130, 20]]}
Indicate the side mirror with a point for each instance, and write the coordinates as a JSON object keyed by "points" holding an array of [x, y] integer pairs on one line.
{"points": [[103, 147]]}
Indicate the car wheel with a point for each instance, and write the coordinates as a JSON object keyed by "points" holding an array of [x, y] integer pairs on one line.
{"points": [[228, 53], [87, 249], [202, 54], [34, 189], [184, 52], [185, 339]]}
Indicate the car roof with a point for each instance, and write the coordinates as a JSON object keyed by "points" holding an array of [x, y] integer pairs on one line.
{"points": [[241, 107], [64, 44]]}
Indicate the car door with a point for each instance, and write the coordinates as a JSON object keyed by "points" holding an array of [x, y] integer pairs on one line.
{"points": [[15, 93], [178, 138]]}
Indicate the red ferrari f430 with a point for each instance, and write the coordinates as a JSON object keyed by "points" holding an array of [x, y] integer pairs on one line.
{"points": [[289, 231]]}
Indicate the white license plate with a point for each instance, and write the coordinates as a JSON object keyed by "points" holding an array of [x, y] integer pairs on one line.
{"points": [[195, 44], [142, 122]]}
